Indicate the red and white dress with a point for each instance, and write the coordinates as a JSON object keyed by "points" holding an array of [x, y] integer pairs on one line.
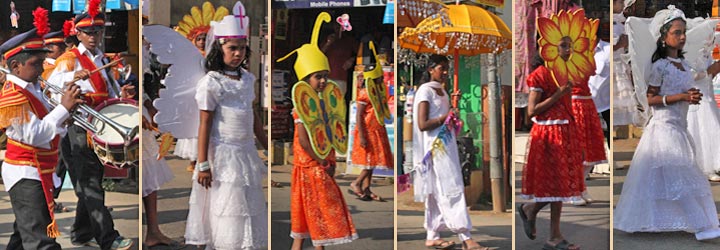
{"points": [[551, 171], [589, 131]]}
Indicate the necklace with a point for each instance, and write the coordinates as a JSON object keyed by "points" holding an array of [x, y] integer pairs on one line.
{"points": [[230, 73], [674, 60]]}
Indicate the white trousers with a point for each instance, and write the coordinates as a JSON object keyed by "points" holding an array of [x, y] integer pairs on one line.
{"points": [[447, 213]]}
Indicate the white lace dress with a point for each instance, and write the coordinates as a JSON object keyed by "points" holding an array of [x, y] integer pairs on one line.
{"points": [[186, 149], [704, 128], [232, 214], [664, 189]]}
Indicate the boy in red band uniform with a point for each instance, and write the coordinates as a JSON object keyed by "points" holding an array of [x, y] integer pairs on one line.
{"points": [[33, 131], [93, 222]]}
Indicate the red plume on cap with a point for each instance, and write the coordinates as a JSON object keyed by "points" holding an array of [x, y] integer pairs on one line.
{"points": [[93, 8], [41, 21], [68, 28]]}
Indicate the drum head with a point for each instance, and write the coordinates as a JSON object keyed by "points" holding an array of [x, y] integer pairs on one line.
{"points": [[123, 113]]}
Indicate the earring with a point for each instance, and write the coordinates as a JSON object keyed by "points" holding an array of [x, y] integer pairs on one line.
{"points": [[663, 44]]}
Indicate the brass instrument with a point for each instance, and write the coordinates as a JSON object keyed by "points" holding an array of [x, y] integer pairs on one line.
{"points": [[127, 133]]}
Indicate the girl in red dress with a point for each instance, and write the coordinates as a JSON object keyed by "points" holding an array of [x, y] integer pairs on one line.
{"points": [[589, 133], [551, 174]]}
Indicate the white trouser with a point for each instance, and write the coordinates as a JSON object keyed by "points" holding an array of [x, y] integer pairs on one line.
{"points": [[447, 213]]}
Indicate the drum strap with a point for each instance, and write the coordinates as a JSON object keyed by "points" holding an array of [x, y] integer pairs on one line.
{"points": [[97, 81], [44, 160]]}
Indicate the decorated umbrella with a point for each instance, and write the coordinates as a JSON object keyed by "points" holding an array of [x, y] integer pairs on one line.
{"points": [[412, 12], [458, 30]]}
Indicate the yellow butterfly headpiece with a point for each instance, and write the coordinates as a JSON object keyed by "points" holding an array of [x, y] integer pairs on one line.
{"points": [[310, 59]]}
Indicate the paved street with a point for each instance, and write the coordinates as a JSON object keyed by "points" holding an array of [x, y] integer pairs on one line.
{"points": [[586, 226], [489, 229], [373, 220], [173, 202], [624, 150], [125, 214]]}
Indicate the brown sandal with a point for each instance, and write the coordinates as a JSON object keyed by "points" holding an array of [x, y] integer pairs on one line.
{"points": [[376, 197], [441, 245]]}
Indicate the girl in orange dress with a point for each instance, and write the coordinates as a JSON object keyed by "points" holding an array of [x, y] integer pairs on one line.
{"points": [[317, 208], [371, 147]]}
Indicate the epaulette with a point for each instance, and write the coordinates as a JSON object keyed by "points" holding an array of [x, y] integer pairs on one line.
{"points": [[67, 60], [14, 106]]}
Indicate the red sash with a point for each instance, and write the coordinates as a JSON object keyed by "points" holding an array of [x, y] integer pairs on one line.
{"points": [[44, 160], [97, 81]]}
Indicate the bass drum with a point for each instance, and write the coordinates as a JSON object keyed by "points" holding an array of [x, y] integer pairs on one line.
{"points": [[108, 144]]}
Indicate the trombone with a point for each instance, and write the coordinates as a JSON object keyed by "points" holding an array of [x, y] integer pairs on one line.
{"points": [[127, 133]]}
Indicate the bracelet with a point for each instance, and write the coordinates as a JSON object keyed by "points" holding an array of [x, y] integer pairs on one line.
{"points": [[203, 166], [665, 100]]}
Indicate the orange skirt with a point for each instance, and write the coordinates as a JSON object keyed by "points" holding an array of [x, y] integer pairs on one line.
{"points": [[377, 153], [317, 208]]}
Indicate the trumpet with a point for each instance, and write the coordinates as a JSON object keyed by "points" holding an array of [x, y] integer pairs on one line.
{"points": [[127, 133]]}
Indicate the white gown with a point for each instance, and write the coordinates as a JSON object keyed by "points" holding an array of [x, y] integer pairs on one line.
{"points": [[155, 172], [704, 127], [624, 106], [232, 214], [664, 189]]}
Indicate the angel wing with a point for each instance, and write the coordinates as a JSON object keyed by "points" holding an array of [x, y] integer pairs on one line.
{"points": [[323, 118], [640, 49], [177, 109], [700, 42]]}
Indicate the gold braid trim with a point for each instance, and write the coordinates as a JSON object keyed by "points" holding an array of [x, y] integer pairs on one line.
{"points": [[66, 61]]}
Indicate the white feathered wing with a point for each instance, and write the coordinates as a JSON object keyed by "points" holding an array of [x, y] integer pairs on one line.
{"points": [[177, 109]]}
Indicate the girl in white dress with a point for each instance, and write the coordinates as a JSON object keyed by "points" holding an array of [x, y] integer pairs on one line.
{"points": [[155, 174], [437, 177], [704, 125], [664, 189], [227, 204]]}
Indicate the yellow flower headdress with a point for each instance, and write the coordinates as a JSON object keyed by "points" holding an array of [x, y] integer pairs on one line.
{"points": [[198, 21], [582, 33]]}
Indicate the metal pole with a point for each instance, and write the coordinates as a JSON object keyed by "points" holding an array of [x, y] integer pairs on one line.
{"points": [[496, 168]]}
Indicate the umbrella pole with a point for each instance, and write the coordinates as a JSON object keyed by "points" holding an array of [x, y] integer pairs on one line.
{"points": [[456, 65]]}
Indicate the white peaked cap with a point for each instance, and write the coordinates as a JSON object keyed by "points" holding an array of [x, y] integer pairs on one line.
{"points": [[235, 26]]}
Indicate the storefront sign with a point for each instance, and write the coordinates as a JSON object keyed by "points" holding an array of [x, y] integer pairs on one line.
{"points": [[61, 5], [306, 4], [113, 4], [78, 6], [369, 3]]}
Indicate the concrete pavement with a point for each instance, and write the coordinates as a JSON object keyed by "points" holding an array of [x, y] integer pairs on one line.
{"points": [[373, 220], [489, 229], [624, 150], [173, 202], [587, 226]]}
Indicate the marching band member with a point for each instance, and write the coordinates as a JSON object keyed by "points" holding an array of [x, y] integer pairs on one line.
{"points": [[93, 222], [33, 131]]}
